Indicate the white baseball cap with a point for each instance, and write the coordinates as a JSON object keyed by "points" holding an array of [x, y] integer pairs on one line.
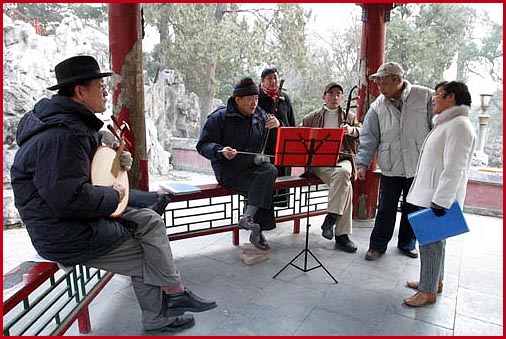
{"points": [[388, 68]]}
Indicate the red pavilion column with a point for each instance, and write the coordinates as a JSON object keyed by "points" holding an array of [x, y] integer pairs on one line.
{"points": [[372, 54], [125, 36]]}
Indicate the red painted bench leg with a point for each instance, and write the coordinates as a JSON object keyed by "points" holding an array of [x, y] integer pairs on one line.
{"points": [[83, 321], [235, 236], [296, 226]]}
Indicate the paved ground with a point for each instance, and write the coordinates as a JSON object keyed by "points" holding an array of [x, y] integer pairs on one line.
{"points": [[366, 301]]}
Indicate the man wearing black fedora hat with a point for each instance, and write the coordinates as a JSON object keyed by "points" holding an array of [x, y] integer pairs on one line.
{"points": [[67, 217], [230, 138]]}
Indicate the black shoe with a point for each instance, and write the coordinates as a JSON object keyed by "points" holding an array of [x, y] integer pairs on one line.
{"points": [[258, 240], [344, 243], [161, 203], [186, 301], [181, 322], [263, 241], [247, 223], [328, 226], [372, 255], [410, 253]]}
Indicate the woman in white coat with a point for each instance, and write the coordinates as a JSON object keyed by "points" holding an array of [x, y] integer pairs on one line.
{"points": [[441, 178]]}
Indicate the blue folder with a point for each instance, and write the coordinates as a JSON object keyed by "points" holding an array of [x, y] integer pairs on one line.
{"points": [[430, 228]]}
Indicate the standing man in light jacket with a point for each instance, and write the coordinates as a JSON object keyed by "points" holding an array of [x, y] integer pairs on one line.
{"points": [[395, 125], [441, 179]]}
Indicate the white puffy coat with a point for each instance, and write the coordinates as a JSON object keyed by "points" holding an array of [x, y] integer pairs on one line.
{"points": [[443, 167]]}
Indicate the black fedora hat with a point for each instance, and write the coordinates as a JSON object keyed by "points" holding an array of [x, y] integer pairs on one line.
{"points": [[75, 69]]}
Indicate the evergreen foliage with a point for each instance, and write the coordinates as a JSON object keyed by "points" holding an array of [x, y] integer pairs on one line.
{"points": [[213, 45]]}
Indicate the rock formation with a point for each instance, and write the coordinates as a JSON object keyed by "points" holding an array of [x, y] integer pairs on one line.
{"points": [[28, 69]]}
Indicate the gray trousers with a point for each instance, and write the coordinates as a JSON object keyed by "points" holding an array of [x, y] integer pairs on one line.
{"points": [[147, 258], [432, 261], [340, 193]]}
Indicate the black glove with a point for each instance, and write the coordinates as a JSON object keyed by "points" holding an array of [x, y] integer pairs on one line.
{"points": [[438, 210]]}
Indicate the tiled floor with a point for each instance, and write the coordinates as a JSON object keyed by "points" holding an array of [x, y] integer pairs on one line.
{"points": [[366, 301]]}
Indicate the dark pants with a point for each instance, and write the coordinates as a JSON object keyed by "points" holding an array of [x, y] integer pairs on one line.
{"points": [[390, 192], [282, 196], [256, 185]]}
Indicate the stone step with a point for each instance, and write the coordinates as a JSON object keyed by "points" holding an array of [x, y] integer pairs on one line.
{"points": [[251, 255]]}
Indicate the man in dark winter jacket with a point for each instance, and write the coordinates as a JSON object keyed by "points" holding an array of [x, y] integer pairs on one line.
{"points": [[67, 217], [229, 131], [273, 100]]}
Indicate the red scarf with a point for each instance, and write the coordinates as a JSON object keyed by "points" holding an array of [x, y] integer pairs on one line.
{"points": [[273, 94]]}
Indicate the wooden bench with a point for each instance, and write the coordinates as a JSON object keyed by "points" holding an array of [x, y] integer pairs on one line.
{"points": [[39, 298], [216, 209]]}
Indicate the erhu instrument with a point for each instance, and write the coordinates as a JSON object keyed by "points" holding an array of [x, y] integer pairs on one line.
{"points": [[262, 157]]}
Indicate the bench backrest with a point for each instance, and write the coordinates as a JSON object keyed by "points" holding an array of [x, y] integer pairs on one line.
{"points": [[218, 207]]}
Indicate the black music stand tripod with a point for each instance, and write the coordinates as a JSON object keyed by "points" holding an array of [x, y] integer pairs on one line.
{"points": [[313, 151]]}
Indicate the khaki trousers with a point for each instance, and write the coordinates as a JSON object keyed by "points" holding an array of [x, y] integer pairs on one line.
{"points": [[340, 193]]}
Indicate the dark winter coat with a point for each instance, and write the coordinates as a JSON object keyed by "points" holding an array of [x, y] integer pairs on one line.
{"points": [[227, 127], [66, 217]]}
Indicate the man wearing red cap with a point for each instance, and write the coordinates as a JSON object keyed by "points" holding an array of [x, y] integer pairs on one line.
{"points": [[241, 126]]}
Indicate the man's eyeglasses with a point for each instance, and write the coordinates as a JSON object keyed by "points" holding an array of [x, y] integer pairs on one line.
{"points": [[334, 94], [385, 78]]}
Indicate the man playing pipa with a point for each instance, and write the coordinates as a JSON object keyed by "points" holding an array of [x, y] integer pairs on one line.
{"points": [[68, 217]]}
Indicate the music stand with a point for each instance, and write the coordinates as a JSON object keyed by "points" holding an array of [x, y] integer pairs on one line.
{"points": [[309, 147]]}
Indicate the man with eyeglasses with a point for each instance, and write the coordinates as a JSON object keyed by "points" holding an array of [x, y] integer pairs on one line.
{"points": [[67, 217], [395, 126], [340, 178], [229, 138]]}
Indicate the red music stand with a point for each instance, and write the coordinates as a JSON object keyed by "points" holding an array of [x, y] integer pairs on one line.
{"points": [[308, 147]]}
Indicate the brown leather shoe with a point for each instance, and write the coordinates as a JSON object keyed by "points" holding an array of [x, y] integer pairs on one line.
{"points": [[420, 299], [414, 285], [372, 255]]}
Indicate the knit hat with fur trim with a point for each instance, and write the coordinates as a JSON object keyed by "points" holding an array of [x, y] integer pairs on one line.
{"points": [[244, 87]]}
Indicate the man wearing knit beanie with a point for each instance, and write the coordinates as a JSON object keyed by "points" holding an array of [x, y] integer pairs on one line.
{"points": [[241, 126], [245, 87]]}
